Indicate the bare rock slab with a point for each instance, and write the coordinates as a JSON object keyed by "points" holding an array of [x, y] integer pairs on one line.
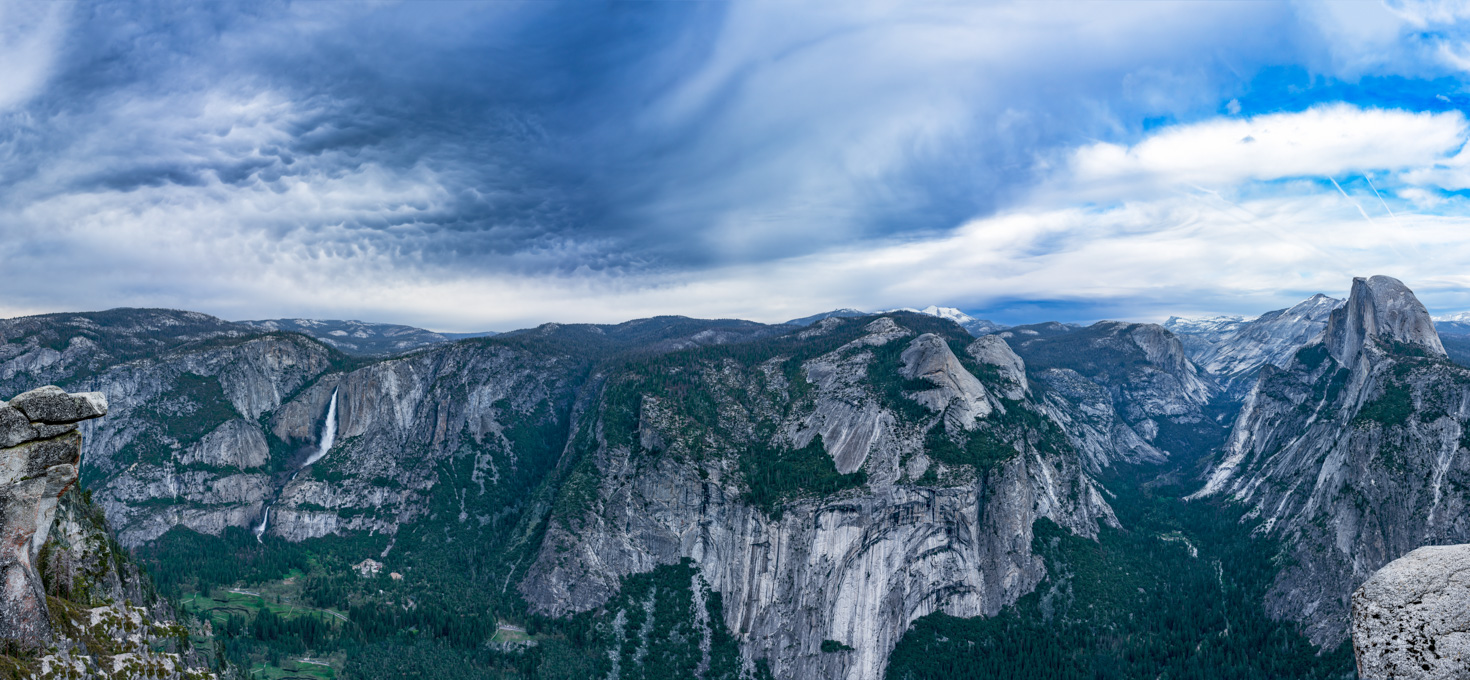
{"points": [[1411, 620], [53, 405], [39, 456]]}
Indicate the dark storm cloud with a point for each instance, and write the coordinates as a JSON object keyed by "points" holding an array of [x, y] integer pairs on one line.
{"points": [[241, 155], [622, 135], [494, 100]]}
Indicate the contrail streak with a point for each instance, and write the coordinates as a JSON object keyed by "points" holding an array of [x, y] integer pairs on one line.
{"points": [[1361, 211]]}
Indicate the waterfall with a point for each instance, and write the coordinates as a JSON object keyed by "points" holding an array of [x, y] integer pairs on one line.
{"points": [[329, 435], [329, 432], [260, 530]]}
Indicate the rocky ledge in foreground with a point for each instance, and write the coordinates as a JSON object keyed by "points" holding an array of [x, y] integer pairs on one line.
{"points": [[1411, 620], [39, 452]]}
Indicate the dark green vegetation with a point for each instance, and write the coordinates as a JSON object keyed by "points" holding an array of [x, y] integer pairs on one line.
{"points": [[833, 646], [1095, 351], [456, 611], [774, 475], [459, 563], [1107, 354], [762, 381], [999, 438], [123, 334], [458, 577], [193, 407], [1176, 594], [269, 631], [299, 601], [1139, 603], [654, 619], [1393, 407]]}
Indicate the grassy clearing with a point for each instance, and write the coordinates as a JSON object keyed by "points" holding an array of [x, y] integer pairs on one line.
{"points": [[235, 611], [510, 633]]}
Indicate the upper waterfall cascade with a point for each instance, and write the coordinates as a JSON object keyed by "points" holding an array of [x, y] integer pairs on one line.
{"points": [[329, 432], [329, 435]]}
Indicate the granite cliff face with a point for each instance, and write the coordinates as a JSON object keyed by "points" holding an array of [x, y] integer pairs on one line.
{"points": [[405, 425], [186, 427], [830, 483], [39, 452], [212, 421], [1124, 392], [1353, 454], [1272, 338], [1411, 620], [66, 600], [937, 464]]}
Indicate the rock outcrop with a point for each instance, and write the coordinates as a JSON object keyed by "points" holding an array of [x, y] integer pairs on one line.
{"points": [[1411, 620], [912, 535], [1234, 353], [1353, 454], [957, 393], [1380, 309], [1123, 392], [38, 463]]}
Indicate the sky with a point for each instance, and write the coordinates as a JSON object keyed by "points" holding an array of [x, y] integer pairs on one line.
{"points": [[467, 166]]}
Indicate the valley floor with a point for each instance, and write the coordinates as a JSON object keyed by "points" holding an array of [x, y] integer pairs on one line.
{"points": [[1176, 594]]}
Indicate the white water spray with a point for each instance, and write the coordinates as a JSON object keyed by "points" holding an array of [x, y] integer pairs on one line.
{"points": [[260, 530], [329, 433], [329, 436]]}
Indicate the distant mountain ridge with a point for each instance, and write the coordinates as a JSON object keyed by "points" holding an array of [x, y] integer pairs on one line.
{"points": [[1200, 334], [1233, 349], [363, 338], [975, 327], [829, 479]]}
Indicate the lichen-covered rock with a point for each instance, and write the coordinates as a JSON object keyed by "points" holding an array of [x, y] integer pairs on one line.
{"points": [[124, 645], [53, 405], [1411, 620], [34, 472]]}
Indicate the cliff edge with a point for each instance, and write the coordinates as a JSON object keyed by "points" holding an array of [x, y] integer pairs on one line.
{"points": [[71, 604], [38, 463]]}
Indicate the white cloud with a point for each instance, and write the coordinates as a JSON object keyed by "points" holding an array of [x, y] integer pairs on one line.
{"points": [[1165, 255], [795, 123], [1323, 141], [1423, 14], [30, 37], [279, 248]]}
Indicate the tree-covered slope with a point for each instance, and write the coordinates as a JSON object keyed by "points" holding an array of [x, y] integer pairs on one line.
{"points": [[832, 484]]}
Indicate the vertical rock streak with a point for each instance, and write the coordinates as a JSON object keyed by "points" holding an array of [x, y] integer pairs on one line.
{"points": [[1346, 453], [856, 567]]}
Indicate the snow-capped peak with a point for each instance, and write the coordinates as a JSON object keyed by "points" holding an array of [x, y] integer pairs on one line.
{"points": [[1457, 317], [976, 327], [950, 313], [1208, 324]]}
